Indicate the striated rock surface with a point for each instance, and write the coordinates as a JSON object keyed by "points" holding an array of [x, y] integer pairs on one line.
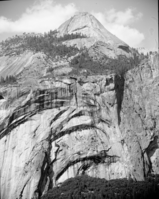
{"points": [[140, 117], [15, 64], [54, 128], [59, 133], [17, 57], [103, 126]]}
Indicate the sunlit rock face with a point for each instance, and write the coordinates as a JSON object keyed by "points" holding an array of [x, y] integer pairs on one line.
{"points": [[26, 64], [87, 24], [58, 133], [102, 126], [12, 64], [99, 39], [140, 117]]}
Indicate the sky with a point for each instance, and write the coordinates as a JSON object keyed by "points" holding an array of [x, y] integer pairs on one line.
{"points": [[133, 21]]}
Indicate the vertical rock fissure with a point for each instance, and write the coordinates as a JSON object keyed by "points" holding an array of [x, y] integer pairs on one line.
{"points": [[150, 151], [46, 172], [21, 193], [41, 184], [119, 90], [1, 97], [143, 160]]}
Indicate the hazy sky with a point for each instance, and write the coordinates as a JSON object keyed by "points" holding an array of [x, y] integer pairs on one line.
{"points": [[133, 21]]}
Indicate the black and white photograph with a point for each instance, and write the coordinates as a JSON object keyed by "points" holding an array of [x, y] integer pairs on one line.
{"points": [[79, 99]]}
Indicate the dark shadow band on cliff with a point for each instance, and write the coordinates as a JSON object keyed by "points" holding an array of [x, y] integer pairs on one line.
{"points": [[119, 90], [150, 150], [1, 97]]}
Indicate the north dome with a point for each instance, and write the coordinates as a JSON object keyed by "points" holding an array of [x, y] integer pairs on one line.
{"points": [[88, 25]]}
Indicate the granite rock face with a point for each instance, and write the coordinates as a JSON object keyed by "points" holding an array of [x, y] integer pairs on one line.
{"points": [[140, 117], [99, 41], [16, 64], [58, 133], [103, 126], [88, 25], [34, 64]]}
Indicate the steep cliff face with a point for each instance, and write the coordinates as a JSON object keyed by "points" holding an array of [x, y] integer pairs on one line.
{"points": [[61, 127], [103, 126], [59, 133], [140, 117]]}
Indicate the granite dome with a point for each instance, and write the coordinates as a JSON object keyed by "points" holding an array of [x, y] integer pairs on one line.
{"points": [[88, 25]]}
